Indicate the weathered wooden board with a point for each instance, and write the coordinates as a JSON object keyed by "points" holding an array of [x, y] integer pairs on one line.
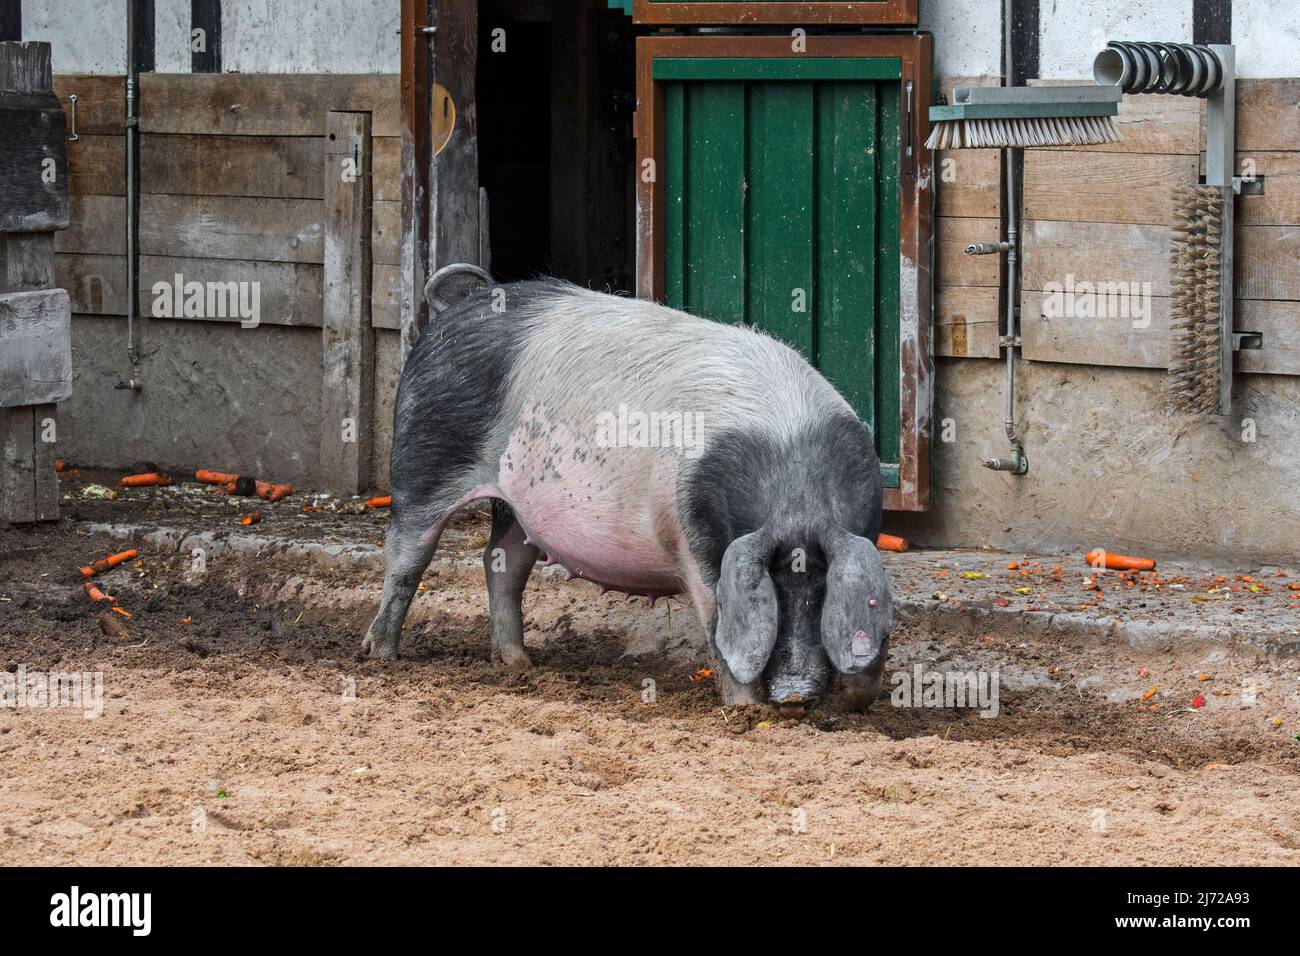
{"points": [[952, 266], [347, 336], [27, 261], [386, 171], [1280, 324], [1268, 115], [386, 234], [1280, 204], [1268, 262], [98, 226], [1048, 336], [1095, 252], [966, 322], [29, 487], [264, 105], [97, 167], [386, 296], [287, 293], [284, 167], [1104, 187], [968, 183], [101, 102], [33, 163], [35, 347], [232, 227]]}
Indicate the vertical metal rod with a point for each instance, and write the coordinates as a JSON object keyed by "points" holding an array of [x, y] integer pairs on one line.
{"points": [[132, 196], [1013, 288]]}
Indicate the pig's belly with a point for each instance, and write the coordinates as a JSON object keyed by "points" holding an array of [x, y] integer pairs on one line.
{"points": [[599, 515]]}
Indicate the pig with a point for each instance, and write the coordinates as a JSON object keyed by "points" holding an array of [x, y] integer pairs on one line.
{"points": [[754, 488]]}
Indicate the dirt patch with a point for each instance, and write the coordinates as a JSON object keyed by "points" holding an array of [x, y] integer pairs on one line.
{"points": [[241, 727]]}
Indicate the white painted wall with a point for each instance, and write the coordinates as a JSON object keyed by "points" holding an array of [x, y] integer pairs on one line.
{"points": [[967, 36], [1073, 32], [310, 36], [360, 36], [1267, 35], [88, 36]]}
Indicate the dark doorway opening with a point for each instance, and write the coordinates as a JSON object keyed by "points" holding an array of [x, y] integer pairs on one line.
{"points": [[556, 153]]}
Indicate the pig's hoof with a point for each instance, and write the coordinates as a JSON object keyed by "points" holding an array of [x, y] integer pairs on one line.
{"points": [[513, 659], [383, 650]]}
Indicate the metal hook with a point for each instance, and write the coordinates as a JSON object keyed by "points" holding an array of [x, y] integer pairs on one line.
{"points": [[72, 98]]}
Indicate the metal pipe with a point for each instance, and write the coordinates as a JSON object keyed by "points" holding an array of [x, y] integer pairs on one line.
{"points": [[132, 203]]}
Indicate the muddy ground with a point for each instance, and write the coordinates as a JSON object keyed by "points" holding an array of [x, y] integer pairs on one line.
{"points": [[240, 726]]}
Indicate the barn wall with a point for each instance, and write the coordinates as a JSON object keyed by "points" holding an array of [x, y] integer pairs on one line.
{"points": [[227, 195]]}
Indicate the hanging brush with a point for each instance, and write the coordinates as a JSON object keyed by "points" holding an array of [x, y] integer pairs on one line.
{"points": [[1196, 308], [1026, 117]]}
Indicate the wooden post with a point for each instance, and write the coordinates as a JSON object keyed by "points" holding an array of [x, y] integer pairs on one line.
{"points": [[35, 319], [347, 386]]}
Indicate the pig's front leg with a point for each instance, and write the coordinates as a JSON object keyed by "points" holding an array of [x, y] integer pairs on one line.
{"points": [[508, 561], [705, 601]]}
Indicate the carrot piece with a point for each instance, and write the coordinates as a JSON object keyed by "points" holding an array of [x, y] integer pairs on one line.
{"points": [[273, 492], [153, 479], [118, 610], [112, 561], [96, 595], [254, 518], [1118, 562], [59, 464], [889, 542], [380, 501], [208, 477]]}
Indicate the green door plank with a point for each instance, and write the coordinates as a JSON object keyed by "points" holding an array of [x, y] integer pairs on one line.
{"points": [[888, 358], [715, 202], [847, 155], [757, 69], [674, 195], [779, 259]]}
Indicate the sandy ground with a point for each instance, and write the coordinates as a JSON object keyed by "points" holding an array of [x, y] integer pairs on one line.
{"points": [[252, 733]]}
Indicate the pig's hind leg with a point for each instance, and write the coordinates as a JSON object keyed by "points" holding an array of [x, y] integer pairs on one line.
{"points": [[508, 561], [408, 548]]}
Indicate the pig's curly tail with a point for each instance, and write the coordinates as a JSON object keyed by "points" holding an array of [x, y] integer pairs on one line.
{"points": [[436, 301]]}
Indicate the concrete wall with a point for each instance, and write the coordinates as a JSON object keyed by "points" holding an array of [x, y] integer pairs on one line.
{"points": [[215, 396], [1109, 469]]}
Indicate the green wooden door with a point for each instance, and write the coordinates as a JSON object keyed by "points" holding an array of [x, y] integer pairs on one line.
{"points": [[781, 193]]}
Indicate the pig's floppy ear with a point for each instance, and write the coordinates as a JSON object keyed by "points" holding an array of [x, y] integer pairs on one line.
{"points": [[747, 610], [857, 612]]}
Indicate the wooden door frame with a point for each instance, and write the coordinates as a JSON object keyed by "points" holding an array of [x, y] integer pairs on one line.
{"points": [[440, 196], [915, 212], [885, 13]]}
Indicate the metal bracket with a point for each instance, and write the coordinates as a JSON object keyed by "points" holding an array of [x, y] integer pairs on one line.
{"points": [[72, 98], [1008, 341]]}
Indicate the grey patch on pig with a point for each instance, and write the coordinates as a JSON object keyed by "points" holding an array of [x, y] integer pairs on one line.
{"points": [[449, 399]]}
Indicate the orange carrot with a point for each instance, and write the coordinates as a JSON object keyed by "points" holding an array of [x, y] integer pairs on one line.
{"points": [[380, 501], [59, 464], [273, 492], [153, 479], [112, 561], [254, 518], [96, 595], [1118, 562], [118, 610], [208, 477], [889, 542]]}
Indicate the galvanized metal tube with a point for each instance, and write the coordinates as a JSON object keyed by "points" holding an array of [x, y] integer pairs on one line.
{"points": [[132, 200]]}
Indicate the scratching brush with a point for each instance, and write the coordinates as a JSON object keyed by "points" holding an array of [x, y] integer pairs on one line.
{"points": [[1026, 117], [1196, 310]]}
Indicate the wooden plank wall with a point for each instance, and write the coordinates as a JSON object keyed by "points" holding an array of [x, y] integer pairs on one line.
{"points": [[968, 209], [1103, 214], [231, 173]]}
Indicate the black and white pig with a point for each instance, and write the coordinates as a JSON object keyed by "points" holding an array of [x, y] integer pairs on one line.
{"points": [[758, 494]]}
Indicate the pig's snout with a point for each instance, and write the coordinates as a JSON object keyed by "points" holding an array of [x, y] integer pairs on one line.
{"points": [[793, 707]]}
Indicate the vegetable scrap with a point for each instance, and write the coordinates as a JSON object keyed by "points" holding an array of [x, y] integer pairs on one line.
{"points": [[112, 561], [889, 542], [1098, 558], [251, 519], [380, 501], [704, 673], [153, 479]]}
